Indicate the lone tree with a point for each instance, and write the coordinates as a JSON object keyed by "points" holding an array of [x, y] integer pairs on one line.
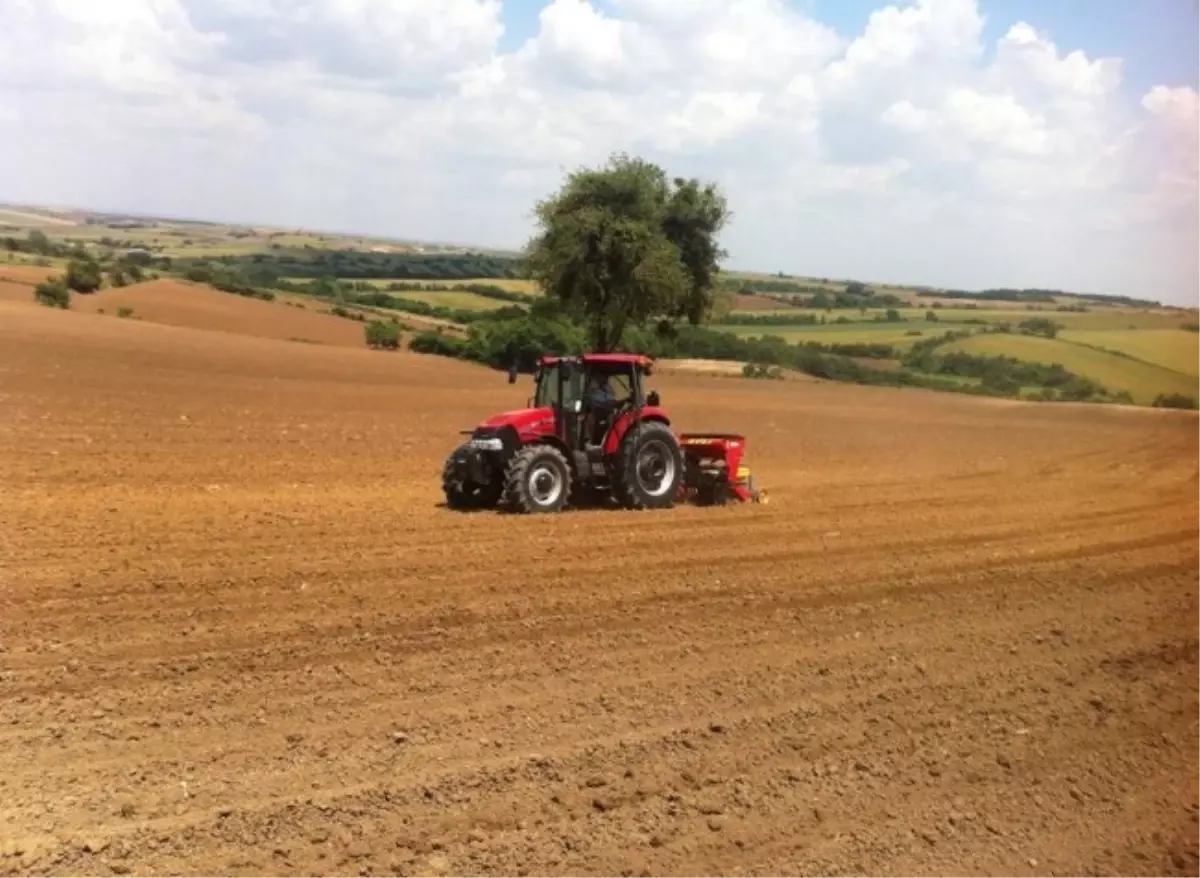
{"points": [[83, 275], [624, 244]]}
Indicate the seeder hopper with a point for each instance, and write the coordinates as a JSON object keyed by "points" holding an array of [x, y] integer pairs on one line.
{"points": [[713, 470], [592, 433]]}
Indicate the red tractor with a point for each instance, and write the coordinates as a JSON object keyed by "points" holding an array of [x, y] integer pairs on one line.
{"points": [[592, 433]]}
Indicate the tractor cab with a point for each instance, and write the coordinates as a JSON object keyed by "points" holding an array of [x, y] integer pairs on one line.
{"points": [[589, 395]]}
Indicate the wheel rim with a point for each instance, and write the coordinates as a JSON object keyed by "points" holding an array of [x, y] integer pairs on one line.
{"points": [[655, 468], [545, 484]]}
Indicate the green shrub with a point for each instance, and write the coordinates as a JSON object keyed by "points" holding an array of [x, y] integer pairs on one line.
{"points": [[83, 275], [762, 370], [1039, 326], [382, 335], [437, 343], [341, 311], [124, 311], [1001, 383], [1174, 401], [53, 294]]}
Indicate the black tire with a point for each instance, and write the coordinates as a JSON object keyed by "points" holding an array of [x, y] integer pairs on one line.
{"points": [[538, 479], [467, 494], [650, 467]]}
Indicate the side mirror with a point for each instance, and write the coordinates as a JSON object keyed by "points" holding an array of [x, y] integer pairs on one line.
{"points": [[653, 398]]}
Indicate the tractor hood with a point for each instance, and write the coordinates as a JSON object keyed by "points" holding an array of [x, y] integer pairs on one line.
{"points": [[523, 420]]}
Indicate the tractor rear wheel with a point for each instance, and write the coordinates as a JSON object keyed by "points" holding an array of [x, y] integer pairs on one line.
{"points": [[464, 493], [650, 467], [538, 479]]}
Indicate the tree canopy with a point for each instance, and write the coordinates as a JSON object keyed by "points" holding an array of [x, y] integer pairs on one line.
{"points": [[622, 245], [83, 275]]}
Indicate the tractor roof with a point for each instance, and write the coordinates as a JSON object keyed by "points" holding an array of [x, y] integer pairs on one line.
{"points": [[639, 360]]}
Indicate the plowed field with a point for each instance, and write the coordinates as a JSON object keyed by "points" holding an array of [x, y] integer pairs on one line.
{"points": [[238, 633], [17, 281], [175, 303]]}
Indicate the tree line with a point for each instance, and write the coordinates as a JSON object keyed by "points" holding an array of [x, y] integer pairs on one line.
{"points": [[267, 268]]}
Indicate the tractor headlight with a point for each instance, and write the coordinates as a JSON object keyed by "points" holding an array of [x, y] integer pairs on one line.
{"points": [[490, 444]]}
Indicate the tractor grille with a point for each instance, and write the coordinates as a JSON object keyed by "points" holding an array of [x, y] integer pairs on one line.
{"points": [[506, 436]]}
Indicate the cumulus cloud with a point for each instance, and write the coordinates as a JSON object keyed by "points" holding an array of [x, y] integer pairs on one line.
{"points": [[910, 151]]}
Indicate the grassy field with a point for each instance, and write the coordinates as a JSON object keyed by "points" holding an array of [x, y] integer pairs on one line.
{"points": [[455, 299], [1143, 381], [895, 334], [1173, 349], [1095, 319], [516, 285], [52, 262]]}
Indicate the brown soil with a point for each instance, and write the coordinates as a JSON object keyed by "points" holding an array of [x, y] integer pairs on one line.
{"points": [[26, 274], [17, 282], [16, 291], [238, 633], [177, 303], [415, 322]]}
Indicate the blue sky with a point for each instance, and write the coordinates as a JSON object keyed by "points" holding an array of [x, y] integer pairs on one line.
{"points": [[956, 143]]}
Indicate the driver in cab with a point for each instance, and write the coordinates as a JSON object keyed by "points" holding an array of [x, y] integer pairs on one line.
{"points": [[599, 392], [600, 401]]}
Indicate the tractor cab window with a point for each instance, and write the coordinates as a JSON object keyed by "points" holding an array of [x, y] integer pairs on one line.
{"points": [[553, 391], [547, 387], [620, 386], [613, 384]]}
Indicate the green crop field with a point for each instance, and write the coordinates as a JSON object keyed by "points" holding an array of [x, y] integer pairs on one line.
{"points": [[834, 333], [1143, 381], [1173, 349], [1096, 319], [516, 285], [1118, 319], [455, 299], [50, 263]]}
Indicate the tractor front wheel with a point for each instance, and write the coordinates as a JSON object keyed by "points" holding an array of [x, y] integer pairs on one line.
{"points": [[538, 480], [651, 467], [463, 493]]}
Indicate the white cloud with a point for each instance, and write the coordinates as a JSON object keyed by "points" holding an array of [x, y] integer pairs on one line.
{"points": [[1175, 106], [408, 46], [908, 151], [1026, 58]]}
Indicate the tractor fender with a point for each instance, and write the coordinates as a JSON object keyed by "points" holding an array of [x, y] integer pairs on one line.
{"points": [[617, 434]]}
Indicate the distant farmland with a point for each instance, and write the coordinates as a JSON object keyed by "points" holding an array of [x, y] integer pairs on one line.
{"points": [[1143, 381], [1172, 349]]}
